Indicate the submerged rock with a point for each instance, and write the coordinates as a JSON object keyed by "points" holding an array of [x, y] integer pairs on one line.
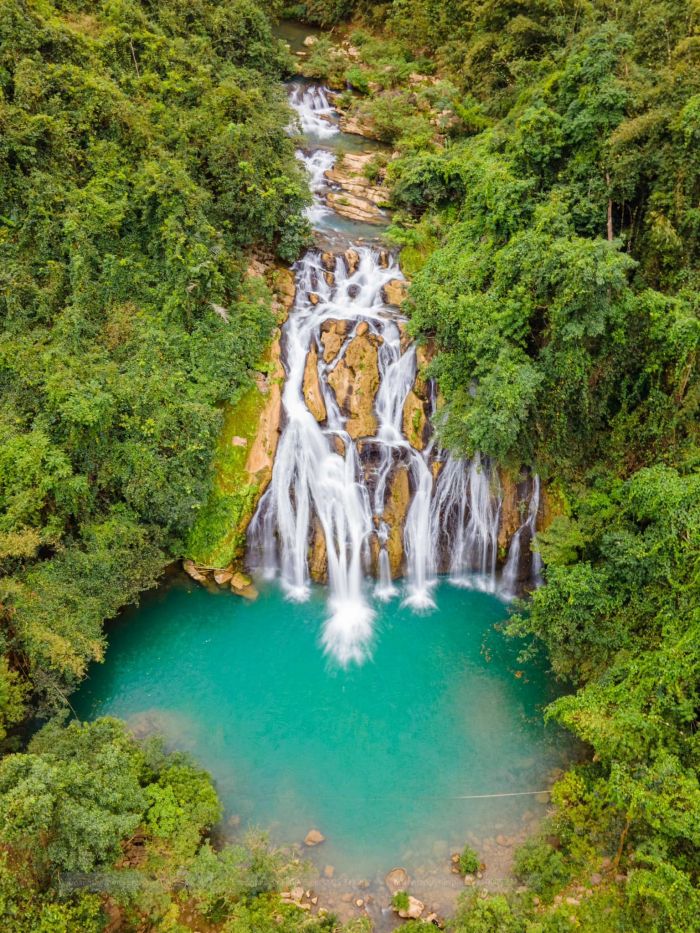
{"points": [[314, 838], [397, 880]]}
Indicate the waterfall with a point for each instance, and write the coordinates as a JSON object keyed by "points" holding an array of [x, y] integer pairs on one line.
{"points": [[312, 480], [348, 490], [314, 113], [317, 163], [524, 535]]}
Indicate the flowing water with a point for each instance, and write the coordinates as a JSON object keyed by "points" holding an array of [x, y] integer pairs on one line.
{"points": [[386, 712], [328, 480]]}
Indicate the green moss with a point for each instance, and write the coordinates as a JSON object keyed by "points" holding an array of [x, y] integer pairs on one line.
{"points": [[218, 536]]}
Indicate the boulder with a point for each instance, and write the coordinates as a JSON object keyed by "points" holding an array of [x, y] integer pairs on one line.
{"points": [[313, 298], [328, 261], [355, 381], [333, 335], [285, 287], [223, 577], [242, 585], [414, 910], [362, 329], [310, 41], [352, 261], [314, 838], [397, 880], [193, 571], [395, 292], [312, 386]]}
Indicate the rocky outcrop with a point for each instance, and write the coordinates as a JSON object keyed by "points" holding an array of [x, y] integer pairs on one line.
{"points": [[416, 426], [355, 381], [357, 198], [396, 292], [333, 334], [264, 447], [395, 512], [318, 555], [312, 386]]}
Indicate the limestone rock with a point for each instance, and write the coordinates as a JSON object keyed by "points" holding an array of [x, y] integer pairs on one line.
{"points": [[222, 577], [395, 512], [329, 871], [318, 555], [242, 585], [395, 292], [314, 838], [511, 517], [310, 41], [312, 386], [356, 126], [193, 571], [313, 298], [264, 447], [414, 910], [352, 260], [285, 287], [415, 421], [333, 335], [397, 880], [328, 261], [354, 207], [355, 381]]}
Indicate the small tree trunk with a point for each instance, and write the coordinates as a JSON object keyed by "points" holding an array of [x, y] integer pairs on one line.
{"points": [[610, 216]]}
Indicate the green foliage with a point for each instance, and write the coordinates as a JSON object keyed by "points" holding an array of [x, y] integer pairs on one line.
{"points": [[400, 900], [468, 861], [542, 868], [142, 155]]}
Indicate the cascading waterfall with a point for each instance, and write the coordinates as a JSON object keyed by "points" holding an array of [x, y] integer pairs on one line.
{"points": [[332, 489], [524, 535]]}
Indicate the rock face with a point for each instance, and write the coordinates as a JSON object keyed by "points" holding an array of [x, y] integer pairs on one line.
{"points": [[318, 555], [264, 447], [333, 334], [414, 910], [242, 585], [355, 381], [415, 421], [358, 197], [395, 511], [395, 292], [312, 386]]}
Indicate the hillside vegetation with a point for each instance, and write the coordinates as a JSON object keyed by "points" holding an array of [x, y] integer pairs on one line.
{"points": [[547, 200]]}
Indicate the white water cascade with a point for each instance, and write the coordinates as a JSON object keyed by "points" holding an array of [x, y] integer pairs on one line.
{"points": [[332, 482], [524, 535]]}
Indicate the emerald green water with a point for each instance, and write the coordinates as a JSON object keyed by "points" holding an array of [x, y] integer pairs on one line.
{"points": [[373, 756]]}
